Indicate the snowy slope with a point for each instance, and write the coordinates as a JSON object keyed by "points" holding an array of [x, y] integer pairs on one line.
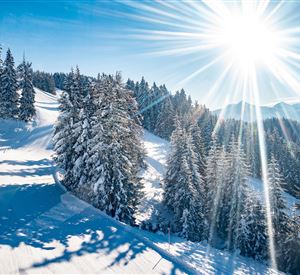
{"points": [[45, 230], [257, 186], [156, 150]]}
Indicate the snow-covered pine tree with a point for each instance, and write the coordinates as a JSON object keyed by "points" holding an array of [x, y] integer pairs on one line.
{"points": [[161, 94], [44, 81], [226, 179], [251, 237], [134, 113], [62, 139], [280, 220], [252, 149], [165, 120], [80, 159], [27, 109], [173, 165], [290, 256], [148, 108], [207, 123], [212, 160], [278, 205], [78, 93], [77, 97], [141, 94], [198, 228], [115, 151], [182, 104], [183, 188], [9, 98], [237, 191], [199, 145], [216, 179], [130, 85]]}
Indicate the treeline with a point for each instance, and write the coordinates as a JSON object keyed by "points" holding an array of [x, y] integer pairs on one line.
{"points": [[211, 198], [97, 142], [44, 81], [50, 82], [16, 104], [159, 107]]}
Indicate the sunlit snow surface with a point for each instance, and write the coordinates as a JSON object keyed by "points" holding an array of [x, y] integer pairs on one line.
{"points": [[45, 230]]}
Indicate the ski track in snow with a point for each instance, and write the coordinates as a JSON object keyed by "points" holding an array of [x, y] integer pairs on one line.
{"points": [[46, 230]]}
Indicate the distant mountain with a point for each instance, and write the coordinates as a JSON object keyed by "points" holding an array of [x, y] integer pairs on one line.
{"points": [[279, 110]]}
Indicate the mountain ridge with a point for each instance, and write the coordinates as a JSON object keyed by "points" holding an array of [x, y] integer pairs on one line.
{"points": [[279, 110]]}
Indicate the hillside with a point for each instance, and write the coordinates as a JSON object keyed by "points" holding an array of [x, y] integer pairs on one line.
{"points": [[45, 229]]}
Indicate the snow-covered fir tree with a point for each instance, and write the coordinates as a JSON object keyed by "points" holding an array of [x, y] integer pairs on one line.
{"points": [[27, 108], [82, 130], [184, 187], [158, 106], [198, 220], [77, 95], [215, 170], [63, 139], [69, 125], [278, 205], [9, 98], [44, 81], [158, 96], [115, 151], [251, 239], [290, 257], [142, 95], [59, 80], [165, 123], [199, 145], [148, 111], [237, 191], [235, 216], [280, 220]]}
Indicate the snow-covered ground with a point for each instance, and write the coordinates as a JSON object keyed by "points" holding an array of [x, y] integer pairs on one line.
{"points": [[45, 230], [290, 200], [156, 150]]}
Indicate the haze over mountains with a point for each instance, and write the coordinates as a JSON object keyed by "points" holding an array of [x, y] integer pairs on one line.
{"points": [[279, 110]]}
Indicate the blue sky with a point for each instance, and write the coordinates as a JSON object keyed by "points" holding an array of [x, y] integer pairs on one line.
{"points": [[134, 37]]}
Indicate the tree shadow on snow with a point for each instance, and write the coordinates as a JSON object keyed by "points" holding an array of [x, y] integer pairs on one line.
{"points": [[16, 134], [39, 214], [49, 108], [42, 167]]}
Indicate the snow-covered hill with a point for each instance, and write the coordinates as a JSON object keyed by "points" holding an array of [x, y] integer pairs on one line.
{"points": [[279, 110], [46, 230]]}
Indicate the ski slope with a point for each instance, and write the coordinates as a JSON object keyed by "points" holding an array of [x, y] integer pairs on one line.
{"points": [[46, 230]]}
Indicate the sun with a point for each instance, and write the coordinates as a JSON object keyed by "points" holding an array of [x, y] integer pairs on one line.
{"points": [[248, 39]]}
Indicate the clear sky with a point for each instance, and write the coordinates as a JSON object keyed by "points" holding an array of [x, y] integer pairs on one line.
{"points": [[168, 42]]}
